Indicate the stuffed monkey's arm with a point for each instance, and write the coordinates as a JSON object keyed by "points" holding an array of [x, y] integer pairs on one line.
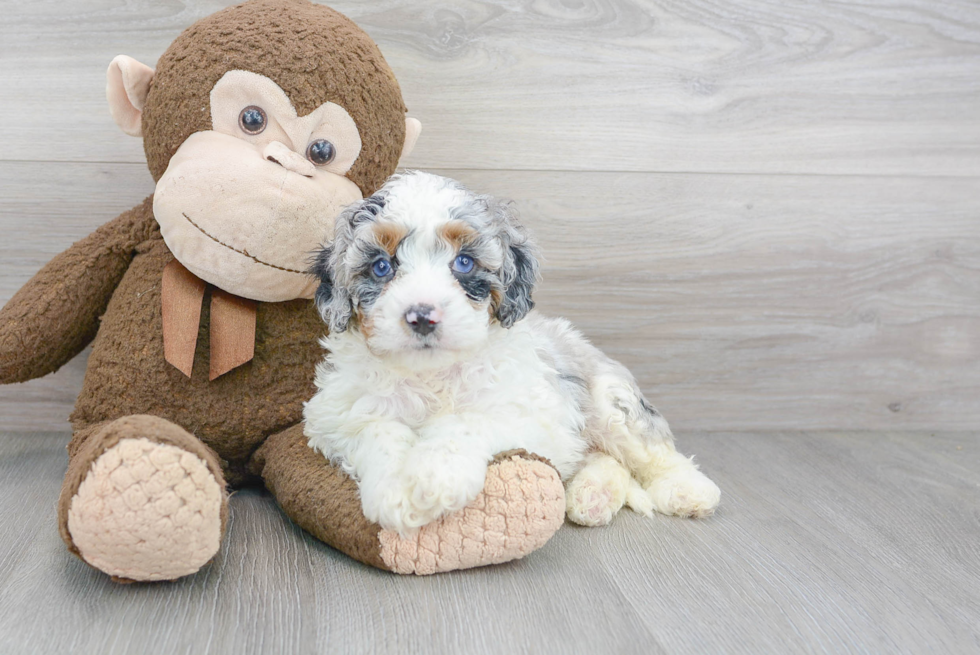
{"points": [[56, 314]]}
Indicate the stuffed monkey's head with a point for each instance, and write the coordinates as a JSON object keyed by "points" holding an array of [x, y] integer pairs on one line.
{"points": [[260, 123]]}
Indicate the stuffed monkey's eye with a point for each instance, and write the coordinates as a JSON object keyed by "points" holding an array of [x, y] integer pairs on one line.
{"points": [[321, 152], [463, 264], [252, 119], [381, 268]]}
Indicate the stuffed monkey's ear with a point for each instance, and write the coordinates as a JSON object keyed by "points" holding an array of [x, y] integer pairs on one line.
{"points": [[127, 83], [413, 127]]}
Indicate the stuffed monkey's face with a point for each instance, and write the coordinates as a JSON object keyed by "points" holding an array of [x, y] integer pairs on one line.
{"points": [[243, 205]]}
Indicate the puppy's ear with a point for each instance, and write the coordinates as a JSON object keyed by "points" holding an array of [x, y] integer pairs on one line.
{"points": [[333, 298], [320, 267], [332, 302], [517, 301], [327, 296], [519, 273]]}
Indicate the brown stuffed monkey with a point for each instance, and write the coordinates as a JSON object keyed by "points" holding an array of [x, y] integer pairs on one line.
{"points": [[259, 124]]}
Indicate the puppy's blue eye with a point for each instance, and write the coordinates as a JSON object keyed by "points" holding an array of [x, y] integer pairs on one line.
{"points": [[381, 268], [463, 264]]}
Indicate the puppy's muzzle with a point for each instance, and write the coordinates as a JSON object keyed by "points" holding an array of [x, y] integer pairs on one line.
{"points": [[423, 319]]}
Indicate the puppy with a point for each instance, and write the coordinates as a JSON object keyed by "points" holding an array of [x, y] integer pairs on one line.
{"points": [[436, 363]]}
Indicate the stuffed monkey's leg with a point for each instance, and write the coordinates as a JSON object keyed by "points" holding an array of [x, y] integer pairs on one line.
{"points": [[143, 499], [522, 505]]}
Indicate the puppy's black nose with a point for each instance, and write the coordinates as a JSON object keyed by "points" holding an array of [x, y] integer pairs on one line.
{"points": [[423, 319]]}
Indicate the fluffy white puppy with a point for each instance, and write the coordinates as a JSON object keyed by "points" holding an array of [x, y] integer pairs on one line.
{"points": [[436, 363]]}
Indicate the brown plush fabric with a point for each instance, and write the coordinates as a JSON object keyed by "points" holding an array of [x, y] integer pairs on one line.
{"points": [[320, 498], [89, 444], [53, 317], [314, 53], [523, 454], [127, 373]]}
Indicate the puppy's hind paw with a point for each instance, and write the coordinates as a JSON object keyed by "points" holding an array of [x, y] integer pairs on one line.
{"points": [[689, 494], [597, 492], [591, 505]]}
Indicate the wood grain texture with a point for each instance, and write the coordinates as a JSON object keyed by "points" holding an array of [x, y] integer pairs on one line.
{"points": [[650, 85], [739, 301], [824, 543]]}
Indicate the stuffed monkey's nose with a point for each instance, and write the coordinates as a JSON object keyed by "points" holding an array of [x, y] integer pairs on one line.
{"points": [[423, 319], [279, 153]]}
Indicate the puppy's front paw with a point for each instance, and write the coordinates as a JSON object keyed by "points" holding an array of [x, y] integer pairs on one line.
{"points": [[415, 502], [396, 513], [442, 484], [387, 503], [433, 483]]}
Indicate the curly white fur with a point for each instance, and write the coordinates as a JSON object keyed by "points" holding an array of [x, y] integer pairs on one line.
{"points": [[415, 418]]}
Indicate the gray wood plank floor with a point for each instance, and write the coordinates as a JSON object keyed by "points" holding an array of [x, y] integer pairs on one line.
{"points": [[828, 542]]}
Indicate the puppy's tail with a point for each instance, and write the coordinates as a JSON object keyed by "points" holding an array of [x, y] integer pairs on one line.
{"points": [[639, 499]]}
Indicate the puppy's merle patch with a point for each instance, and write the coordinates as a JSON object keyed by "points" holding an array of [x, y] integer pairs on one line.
{"points": [[365, 287], [517, 300], [477, 284], [320, 267], [576, 380], [477, 287], [367, 210], [648, 408]]}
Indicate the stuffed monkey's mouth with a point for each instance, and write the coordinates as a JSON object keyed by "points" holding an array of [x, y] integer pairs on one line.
{"points": [[243, 253]]}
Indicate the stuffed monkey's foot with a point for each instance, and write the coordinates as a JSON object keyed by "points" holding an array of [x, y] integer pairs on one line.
{"points": [[521, 506], [148, 507]]}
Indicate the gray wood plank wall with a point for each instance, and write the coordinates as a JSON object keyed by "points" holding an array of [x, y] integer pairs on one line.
{"points": [[769, 211]]}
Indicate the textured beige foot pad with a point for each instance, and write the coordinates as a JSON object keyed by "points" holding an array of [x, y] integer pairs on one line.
{"points": [[522, 505], [147, 511]]}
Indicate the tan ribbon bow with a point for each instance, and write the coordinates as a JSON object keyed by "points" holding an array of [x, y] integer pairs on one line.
{"points": [[232, 323]]}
